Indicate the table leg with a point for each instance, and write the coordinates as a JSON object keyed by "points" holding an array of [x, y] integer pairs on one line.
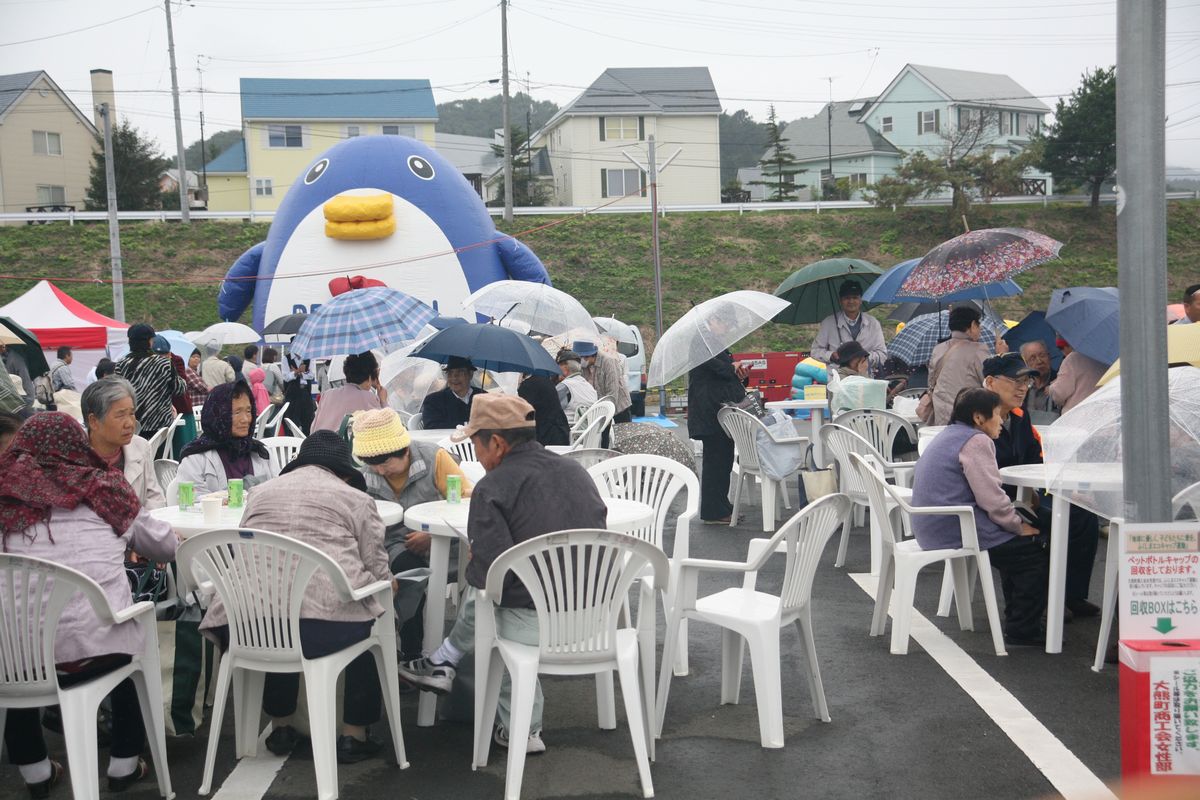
{"points": [[816, 418], [435, 618], [1056, 596]]}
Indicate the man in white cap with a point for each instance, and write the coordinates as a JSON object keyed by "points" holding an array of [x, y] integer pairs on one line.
{"points": [[527, 491]]}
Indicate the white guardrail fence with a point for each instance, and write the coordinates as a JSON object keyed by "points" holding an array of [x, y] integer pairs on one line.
{"points": [[71, 217]]}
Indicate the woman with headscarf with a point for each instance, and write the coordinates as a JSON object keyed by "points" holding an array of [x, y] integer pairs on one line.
{"points": [[226, 449], [154, 381], [61, 502]]}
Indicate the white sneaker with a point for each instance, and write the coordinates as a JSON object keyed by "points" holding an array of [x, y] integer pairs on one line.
{"points": [[436, 678], [534, 746]]}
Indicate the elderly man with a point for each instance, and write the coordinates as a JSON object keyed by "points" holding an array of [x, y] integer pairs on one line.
{"points": [[451, 406], [1019, 443], [574, 391], [527, 491], [16, 367], [956, 363], [850, 324], [1037, 358], [1191, 305], [607, 376], [215, 370], [60, 371]]}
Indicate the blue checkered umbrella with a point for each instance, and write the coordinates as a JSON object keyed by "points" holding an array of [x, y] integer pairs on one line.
{"points": [[914, 345], [360, 320]]}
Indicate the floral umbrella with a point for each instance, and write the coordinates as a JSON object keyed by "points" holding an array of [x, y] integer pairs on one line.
{"points": [[978, 257]]}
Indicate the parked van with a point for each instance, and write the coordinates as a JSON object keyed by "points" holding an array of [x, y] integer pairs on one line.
{"points": [[629, 344]]}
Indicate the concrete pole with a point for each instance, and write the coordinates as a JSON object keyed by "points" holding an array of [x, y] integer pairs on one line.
{"points": [[652, 162], [184, 210], [114, 224], [508, 172], [1142, 257]]}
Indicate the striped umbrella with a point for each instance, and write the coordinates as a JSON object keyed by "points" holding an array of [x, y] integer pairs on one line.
{"points": [[361, 320]]}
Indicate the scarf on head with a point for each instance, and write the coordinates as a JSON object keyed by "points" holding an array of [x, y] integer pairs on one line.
{"points": [[217, 422], [51, 465]]}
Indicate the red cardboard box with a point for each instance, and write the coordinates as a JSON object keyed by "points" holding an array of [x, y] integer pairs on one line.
{"points": [[1146, 716]]}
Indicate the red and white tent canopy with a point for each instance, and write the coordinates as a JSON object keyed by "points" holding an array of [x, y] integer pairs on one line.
{"points": [[58, 319]]}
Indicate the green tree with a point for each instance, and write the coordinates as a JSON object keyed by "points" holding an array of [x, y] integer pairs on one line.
{"points": [[743, 142], [528, 189], [213, 146], [1080, 148], [482, 117], [137, 164], [779, 168]]}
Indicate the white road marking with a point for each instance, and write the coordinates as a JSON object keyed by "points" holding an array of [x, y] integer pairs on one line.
{"points": [[252, 777], [1069, 776]]}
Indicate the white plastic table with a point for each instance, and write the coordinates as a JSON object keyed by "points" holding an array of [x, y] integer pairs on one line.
{"points": [[1104, 477], [815, 420], [191, 521], [440, 519], [431, 435]]}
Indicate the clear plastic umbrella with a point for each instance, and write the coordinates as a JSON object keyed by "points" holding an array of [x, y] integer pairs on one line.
{"points": [[1087, 440], [408, 380], [543, 308], [228, 333], [708, 329]]}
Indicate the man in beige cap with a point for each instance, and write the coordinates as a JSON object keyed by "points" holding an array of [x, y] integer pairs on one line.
{"points": [[527, 491]]}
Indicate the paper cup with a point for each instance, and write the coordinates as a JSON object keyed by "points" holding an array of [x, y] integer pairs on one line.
{"points": [[212, 510]]}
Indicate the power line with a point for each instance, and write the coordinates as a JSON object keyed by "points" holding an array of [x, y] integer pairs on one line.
{"points": [[79, 30]]}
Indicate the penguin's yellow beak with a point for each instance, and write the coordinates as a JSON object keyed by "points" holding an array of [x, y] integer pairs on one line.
{"points": [[359, 217]]}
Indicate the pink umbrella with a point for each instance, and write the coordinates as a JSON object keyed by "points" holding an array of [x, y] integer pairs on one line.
{"points": [[976, 258]]}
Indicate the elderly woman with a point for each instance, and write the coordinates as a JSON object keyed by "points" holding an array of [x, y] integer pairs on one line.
{"points": [[154, 380], [61, 502], [226, 449], [406, 472], [362, 392], [959, 468], [574, 391], [107, 408]]}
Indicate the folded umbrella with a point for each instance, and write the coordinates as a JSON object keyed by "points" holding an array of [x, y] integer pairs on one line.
{"points": [[914, 345], [1089, 318], [361, 320], [812, 291], [489, 347]]}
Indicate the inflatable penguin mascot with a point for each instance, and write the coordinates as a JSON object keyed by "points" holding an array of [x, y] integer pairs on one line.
{"points": [[375, 210]]}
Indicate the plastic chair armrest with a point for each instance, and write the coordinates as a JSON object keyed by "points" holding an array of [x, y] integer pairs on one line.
{"points": [[371, 589], [705, 563], [135, 610]]}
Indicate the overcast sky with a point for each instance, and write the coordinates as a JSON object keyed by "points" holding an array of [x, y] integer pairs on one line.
{"points": [[759, 51]]}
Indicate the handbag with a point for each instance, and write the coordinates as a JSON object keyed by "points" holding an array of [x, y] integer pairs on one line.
{"points": [[751, 404], [816, 483]]}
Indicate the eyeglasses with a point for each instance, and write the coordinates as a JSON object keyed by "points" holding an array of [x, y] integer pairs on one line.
{"points": [[375, 461], [1019, 382]]}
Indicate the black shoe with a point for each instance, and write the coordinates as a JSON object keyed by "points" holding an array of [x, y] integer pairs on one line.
{"points": [[41, 789], [351, 750], [125, 781], [1083, 608], [283, 740]]}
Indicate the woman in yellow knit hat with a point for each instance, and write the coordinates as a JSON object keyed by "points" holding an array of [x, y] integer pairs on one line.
{"points": [[405, 472]]}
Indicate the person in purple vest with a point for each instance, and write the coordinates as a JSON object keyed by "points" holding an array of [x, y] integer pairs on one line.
{"points": [[959, 468]]}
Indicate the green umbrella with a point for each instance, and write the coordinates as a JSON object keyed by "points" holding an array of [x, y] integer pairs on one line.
{"points": [[30, 350], [812, 291]]}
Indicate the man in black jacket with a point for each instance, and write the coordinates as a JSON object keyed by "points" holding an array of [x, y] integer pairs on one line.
{"points": [[451, 407], [716, 381]]}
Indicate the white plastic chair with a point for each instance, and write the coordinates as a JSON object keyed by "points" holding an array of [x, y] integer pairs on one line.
{"points": [[578, 580], [415, 422], [33, 593], [465, 450], [879, 427], [293, 429], [261, 578], [282, 449], [743, 428], [656, 481], [903, 559], [603, 409], [588, 457], [165, 470], [591, 437], [912, 392], [161, 439], [260, 423], [197, 412], [842, 443], [756, 618]]}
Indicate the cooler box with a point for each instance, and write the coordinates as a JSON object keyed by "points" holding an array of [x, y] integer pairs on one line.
{"points": [[771, 373], [1160, 718]]}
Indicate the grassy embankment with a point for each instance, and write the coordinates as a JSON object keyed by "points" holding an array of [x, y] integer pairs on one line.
{"points": [[605, 260]]}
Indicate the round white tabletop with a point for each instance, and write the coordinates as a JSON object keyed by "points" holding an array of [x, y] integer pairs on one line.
{"points": [[191, 521], [1101, 477], [441, 517], [788, 405], [431, 435]]}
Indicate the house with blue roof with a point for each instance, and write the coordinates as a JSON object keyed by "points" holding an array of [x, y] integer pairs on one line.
{"points": [[287, 122]]}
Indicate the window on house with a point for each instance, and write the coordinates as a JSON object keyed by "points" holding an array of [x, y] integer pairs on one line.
{"points": [[51, 195], [264, 187], [285, 136], [400, 130], [886, 124], [858, 179], [352, 131], [1005, 126], [47, 143], [620, 128], [928, 122], [1028, 124], [621, 182]]}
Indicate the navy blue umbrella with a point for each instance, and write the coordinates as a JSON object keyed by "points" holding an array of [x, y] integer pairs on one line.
{"points": [[1089, 319], [441, 323], [1034, 328], [489, 347], [886, 288]]}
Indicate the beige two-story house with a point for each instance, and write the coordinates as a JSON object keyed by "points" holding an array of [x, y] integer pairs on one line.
{"points": [[46, 145], [588, 145]]}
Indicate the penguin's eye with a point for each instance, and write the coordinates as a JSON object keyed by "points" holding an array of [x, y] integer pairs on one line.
{"points": [[421, 168], [318, 169]]}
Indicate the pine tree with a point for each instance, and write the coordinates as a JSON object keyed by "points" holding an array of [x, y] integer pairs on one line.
{"points": [[1080, 148], [137, 165], [779, 168]]}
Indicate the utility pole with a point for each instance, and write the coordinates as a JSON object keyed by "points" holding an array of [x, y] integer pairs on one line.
{"points": [[114, 225], [508, 193], [203, 143], [528, 136], [1142, 258], [183, 194], [658, 322], [829, 128]]}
